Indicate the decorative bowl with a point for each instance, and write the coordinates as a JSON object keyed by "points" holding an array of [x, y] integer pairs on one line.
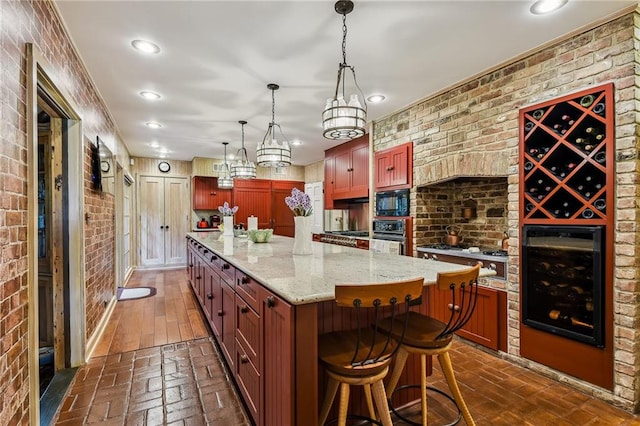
{"points": [[260, 235]]}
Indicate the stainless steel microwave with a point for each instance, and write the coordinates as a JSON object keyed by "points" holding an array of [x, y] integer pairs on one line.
{"points": [[392, 203]]}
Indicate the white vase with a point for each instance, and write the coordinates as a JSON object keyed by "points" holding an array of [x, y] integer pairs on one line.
{"points": [[302, 236], [227, 221]]}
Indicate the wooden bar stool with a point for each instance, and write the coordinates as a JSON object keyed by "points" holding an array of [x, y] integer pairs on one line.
{"points": [[428, 336], [361, 356]]}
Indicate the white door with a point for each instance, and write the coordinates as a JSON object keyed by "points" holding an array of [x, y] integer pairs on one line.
{"points": [[314, 190], [164, 220]]}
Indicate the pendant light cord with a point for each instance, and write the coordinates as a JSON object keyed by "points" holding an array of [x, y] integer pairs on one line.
{"points": [[344, 39]]}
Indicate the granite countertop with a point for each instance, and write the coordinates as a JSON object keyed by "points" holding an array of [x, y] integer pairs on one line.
{"points": [[312, 278]]}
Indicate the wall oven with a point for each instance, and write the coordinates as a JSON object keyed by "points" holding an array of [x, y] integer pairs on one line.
{"points": [[391, 230], [392, 203]]}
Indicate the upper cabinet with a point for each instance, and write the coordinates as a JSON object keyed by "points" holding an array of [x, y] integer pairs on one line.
{"points": [[207, 195], [347, 171], [394, 167]]}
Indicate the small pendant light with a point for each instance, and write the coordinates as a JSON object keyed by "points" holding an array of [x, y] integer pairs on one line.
{"points": [[342, 118], [243, 168], [270, 152], [225, 181]]}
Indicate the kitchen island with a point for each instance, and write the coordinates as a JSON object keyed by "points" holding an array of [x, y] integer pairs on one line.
{"points": [[266, 308]]}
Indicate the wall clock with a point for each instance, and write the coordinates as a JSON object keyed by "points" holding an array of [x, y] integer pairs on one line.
{"points": [[104, 166], [164, 167]]}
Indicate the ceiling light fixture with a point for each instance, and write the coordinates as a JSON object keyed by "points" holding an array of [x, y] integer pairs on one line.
{"points": [[225, 181], [270, 152], [145, 46], [376, 99], [342, 120], [153, 124], [243, 168], [152, 96], [542, 7]]}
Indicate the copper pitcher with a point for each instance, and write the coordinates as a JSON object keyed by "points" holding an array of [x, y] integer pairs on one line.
{"points": [[453, 238], [505, 241]]}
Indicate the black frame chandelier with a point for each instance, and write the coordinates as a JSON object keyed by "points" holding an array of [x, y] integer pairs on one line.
{"points": [[344, 119], [270, 152], [225, 181], [243, 168]]}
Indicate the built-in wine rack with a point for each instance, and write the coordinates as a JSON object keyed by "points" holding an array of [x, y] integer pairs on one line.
{"points": [[566, 159]]}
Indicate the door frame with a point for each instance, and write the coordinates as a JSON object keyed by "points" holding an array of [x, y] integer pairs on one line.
{"points": [[39, 73]]}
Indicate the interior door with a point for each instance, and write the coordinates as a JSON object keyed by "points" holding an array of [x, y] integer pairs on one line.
{"points": [[151, 219], [176, 220], [314, 190]]}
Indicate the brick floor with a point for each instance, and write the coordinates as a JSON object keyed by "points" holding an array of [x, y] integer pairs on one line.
{"points": [[176, 384]]}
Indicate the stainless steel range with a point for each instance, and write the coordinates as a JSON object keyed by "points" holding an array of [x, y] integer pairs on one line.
{"points": [[492, 259], [357, 239]]}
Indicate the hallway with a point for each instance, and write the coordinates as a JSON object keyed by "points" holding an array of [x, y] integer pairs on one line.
{"points": [[156, 364]]}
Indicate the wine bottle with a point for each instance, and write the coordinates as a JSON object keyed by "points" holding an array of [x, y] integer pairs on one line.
{"points": [[587, 100], [537, 114], [600, 204], [592, 130], [588, 147], [587, 213], [528, 166], [568, 319], [599, 108], [600, 157], [528, 207], [528, 126]]}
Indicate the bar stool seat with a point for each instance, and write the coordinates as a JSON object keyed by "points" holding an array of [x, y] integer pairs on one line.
{"points": [[427, 336], [361, 356]]}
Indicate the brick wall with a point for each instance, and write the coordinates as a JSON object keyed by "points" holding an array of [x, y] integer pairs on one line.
{"points": [[472, 131], [34, 22]]}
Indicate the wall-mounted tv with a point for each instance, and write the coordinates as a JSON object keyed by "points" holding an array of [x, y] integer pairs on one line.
{"points": [[96, 171]]}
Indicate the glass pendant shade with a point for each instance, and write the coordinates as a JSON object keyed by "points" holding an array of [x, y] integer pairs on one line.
{"points": [[344, 118], [243, 168], [270, 152], [225, 181]]}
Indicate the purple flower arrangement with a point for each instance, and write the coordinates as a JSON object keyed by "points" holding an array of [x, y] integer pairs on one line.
{"points": [[299, 202], [226, 210]]}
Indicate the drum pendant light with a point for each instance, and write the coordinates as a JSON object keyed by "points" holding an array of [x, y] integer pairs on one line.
{"points": [[270, 152], [342, 118], [243, 168], [225, 181]]}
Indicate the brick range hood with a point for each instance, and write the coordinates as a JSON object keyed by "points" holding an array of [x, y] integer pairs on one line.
{"points": [[474, 206]]}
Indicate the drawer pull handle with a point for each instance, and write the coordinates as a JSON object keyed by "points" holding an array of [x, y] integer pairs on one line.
{"points": [[244, 309], [198, 277], [191, 265], [271, 302], [206, 251], [225, 266], [213, 258], [244, 359], [245, 280], [220, 313]]}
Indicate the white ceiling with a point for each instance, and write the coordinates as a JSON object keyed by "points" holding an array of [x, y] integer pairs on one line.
{"points": [[218, 57]]}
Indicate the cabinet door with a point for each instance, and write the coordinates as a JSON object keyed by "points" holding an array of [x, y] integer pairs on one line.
{"points": [[253, 197], [278, 343], [176, 219], [381, 164], [227, 313], [213, 302], [204, 190], [360, 169], [393, 167], [329, 176], [342, 175], [281, 214]]}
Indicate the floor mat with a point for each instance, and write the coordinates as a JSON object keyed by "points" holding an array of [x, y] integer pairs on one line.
{"points": [[135, 293]]}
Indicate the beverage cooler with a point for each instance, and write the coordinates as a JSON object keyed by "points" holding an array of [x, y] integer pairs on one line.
{"points": [[562, 288]]}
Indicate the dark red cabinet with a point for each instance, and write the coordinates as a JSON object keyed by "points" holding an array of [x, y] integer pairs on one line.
{"points": [[347, 170], [393, 167], [207, 195]]}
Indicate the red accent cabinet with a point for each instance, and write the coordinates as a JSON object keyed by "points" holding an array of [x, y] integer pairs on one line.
{"points": [[394, 167]]}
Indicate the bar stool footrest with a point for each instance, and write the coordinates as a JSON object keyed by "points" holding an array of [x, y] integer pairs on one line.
{"points": [[356, 417], [431, 388]]}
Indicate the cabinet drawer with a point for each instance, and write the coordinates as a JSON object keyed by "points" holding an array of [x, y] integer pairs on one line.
{"points": [[249, 289], [248, 330], [248, 380], [227, 272]]}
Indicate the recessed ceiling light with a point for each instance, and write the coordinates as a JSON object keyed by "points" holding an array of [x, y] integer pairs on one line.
{"points": [[152, 96], [374, 99], [231, 156], [541, 7], [145, 46], [163, 151], [154, 145], [162, 156], [153, 125], [296, 142]]}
